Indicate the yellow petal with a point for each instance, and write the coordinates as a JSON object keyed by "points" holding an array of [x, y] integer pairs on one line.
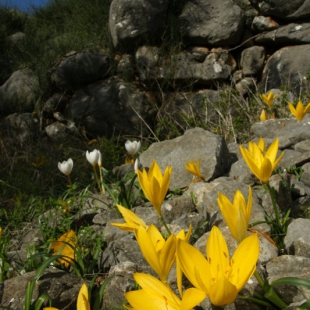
{"points": [[191, 298], [217, 253], [223, 292], [265, 171], [154, 294], [235, 215], [167, 256], [82, 300], [132, 220], [248, 158], [148, 250], [292, 109], [244, 261], [190, 259], [264, 115]]}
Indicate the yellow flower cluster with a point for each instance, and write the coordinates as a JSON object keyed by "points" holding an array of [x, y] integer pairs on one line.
{"points": [[216, 276], [299, 111]]}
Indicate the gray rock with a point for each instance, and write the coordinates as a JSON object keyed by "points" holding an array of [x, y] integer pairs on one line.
{"points": [[121, 281], [19, 93], [288, 66], [210, 23], [263, 23], [252, 60], [289, 131], [80, 69], [20, 128], [286, 35], [289, 266], [295, 9], [184, 67], [109, 107], [297, 239], [305, 176], [133, 22], [212, 151], [62, 287], [302, 146]]}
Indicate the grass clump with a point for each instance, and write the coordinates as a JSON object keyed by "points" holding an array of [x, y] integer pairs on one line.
{"points": [[56, 29]]}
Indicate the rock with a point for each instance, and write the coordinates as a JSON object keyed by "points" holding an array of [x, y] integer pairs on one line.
{"points": [[184, 68], [20, 128], [297, 239], [289, 266], [109, 107], [209, 23], [62, 287], [296, 9], [135, 22], [80, 69], [288, 66], [263, 23], [19, 93], [252, 60], [289, 131], [212, 150], [290, 34], [121, 281]]}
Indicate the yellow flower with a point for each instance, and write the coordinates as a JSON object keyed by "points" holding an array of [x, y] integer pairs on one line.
{"points": [[82, 300], [264, 115], [65, 246], [261, 163], [218, 276], [155, 295], [194, 168], [237, 214], [268, 99], [133, 221], [300, 111], [129, 160], [155, 184], [158, 252]]}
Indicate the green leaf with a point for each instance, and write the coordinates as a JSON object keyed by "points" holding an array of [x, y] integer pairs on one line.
{"points": [[41, 300], [100, 294], [292, 281], [305, 305]]}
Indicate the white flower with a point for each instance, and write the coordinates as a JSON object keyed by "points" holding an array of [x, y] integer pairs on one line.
{"points": [[136, 165], [93, 157], [66, 166], [99, 159], [132, 147]]}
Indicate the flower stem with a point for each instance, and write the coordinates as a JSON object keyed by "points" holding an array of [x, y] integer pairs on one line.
{"points": [[270, 293], [274, 204], [102, 189], [165, 224]]}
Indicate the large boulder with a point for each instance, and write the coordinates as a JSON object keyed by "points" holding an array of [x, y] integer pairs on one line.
{"points": [[194, 144], [111, 107], [211, 23], [287, 10], [80, 69], [287, 67], [136, 21], [18, 93]]}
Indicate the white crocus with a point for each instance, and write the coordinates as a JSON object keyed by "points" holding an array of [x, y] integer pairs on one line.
{"points": [[93, 157], [132, 147], [99, 159], [66, 166], [136, 165]]}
